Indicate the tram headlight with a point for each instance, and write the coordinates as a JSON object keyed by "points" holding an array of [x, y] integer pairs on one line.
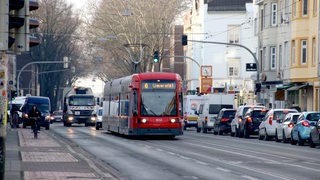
{"points": [[173, 120], [143, 121]]}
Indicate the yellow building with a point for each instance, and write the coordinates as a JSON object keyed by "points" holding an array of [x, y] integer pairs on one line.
{"points": [[304, 59]]}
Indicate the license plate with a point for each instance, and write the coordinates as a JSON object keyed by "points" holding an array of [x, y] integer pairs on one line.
{"points": [[77, 113]]}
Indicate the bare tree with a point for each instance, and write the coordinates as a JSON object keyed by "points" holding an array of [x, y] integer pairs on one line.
{"points": [[139, 22], [58, 39]]}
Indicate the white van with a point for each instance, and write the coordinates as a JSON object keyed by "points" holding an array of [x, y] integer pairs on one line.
{"points": [[209, 108], [190, 104]]}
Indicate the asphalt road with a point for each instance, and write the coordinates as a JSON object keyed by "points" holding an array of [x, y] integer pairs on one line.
{"points": [[194, 156]]}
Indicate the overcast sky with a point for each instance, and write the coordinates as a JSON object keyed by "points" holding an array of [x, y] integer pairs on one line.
{"points": [[78, 3]]}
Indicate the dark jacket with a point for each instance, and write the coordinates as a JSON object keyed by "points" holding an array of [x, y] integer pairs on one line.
{"points": [[34, 113]]}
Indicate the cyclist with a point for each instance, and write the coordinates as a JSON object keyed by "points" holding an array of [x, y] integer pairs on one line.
{"points": [[34, 116]]}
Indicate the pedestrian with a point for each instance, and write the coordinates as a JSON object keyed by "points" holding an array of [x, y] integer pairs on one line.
{"points": [[33, 115]]}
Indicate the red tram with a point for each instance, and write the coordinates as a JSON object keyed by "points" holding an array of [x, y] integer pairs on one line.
{"points": [[144, 104]]}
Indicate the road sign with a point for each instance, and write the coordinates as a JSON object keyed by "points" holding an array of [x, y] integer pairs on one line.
{"points": [[206, 85], [251, 67]]}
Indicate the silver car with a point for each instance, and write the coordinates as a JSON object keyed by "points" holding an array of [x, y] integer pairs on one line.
{"points": [[284, 127]]}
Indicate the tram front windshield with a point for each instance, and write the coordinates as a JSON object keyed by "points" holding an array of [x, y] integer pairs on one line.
{"points": [[158, 103]]}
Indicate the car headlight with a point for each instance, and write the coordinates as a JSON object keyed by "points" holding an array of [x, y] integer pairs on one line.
{"points": [[93, 118], [47, 117], [70, 118]]}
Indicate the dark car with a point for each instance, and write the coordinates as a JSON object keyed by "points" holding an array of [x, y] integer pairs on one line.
{"points": [[315, 135], [251, 121], [222, 123], [43, 105]]}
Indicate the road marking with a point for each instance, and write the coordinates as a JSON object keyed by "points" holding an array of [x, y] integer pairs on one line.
{"points": [[223, 169], [249, 177]]}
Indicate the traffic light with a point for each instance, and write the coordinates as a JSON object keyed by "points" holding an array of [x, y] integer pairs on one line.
{"points": [[13, 94], [155, 56], [184, 40], [20, 23], [258, 87]]}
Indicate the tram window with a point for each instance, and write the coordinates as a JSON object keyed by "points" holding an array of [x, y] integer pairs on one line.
{"points": [[124, 108]]}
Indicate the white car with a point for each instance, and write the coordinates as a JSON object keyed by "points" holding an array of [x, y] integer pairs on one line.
{"points": [[267, 128], [283, 129], [99, 118]]}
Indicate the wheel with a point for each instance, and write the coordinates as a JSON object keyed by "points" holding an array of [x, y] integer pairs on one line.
{"points": [[184, 128], [276, 137], [311, 143], [68, 124], [214, 131], [284, 138], [48, 127], [293, 142], [300, 141], [198, 129], [245, 132], [24, 125], [86, 124], [219, 131], [204, 130], [97, 127], [237, 132], [266, 136], [232, 133]]}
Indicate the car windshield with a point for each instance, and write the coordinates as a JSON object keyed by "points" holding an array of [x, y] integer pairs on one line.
{"points": [[57, 113], [81, 100]]}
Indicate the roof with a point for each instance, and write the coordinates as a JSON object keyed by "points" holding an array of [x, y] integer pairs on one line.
{"points": [[229, 5]]}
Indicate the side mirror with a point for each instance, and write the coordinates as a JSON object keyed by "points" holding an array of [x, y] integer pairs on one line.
{"points": [[135, 113]]}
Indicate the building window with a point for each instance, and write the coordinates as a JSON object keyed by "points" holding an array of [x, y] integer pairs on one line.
{"points": [[294, 8], [234, 34], [264, 58], [273, 57], [233, 67], [286, 54], [293, 53], [280, 57], [314, 51], [303, 51], [274, 14], [261, 20], [305, 7], [264, 16], [315, 7]]}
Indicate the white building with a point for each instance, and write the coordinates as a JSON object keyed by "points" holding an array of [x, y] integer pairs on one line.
{"points": [[231, 22]]}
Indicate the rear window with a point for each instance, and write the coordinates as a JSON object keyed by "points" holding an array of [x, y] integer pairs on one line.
{"points": [[259, 113], [295, 118], [281, 114], [229, 114], [313, 116], [215, 108]]}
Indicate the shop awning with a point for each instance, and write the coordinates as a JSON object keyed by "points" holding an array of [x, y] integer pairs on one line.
{"points": [[294, 88]]}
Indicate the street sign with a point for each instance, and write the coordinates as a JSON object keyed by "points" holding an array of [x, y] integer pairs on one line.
{"points": [[251, 67], [206, 85]]}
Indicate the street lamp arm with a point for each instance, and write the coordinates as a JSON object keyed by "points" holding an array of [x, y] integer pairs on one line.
{"points": [[232, 44], [30, 63], [187, 58]]}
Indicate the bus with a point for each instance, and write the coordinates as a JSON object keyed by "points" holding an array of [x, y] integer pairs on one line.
{"points": [[144, 104]]}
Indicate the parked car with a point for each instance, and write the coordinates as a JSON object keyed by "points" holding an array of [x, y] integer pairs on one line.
{"points": [[283, 129], [209, 109], [267, 128], [251, 121], [99, 118], [301, 131], [239, 117], [56, 116], [222, 123], [315, 135]]}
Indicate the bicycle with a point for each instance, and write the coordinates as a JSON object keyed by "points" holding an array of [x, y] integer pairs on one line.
{"points": [[15, 120], [35, 127]]}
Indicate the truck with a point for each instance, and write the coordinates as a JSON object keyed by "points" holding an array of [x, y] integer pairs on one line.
{"points": [[79, 106], [190, 104], [210, 107]]}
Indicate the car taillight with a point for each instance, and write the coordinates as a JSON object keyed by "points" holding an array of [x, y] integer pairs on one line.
{"points": [[249, 120], [224, 119], [290, 125], [25, 115], [270, 120], [305, 123]]}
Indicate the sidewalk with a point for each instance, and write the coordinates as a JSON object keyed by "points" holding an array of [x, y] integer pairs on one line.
{"points": [[45, 158]]}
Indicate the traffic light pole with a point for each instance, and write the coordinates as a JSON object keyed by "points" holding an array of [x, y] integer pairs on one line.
{"points": [[36, 62], [239, 45]]}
